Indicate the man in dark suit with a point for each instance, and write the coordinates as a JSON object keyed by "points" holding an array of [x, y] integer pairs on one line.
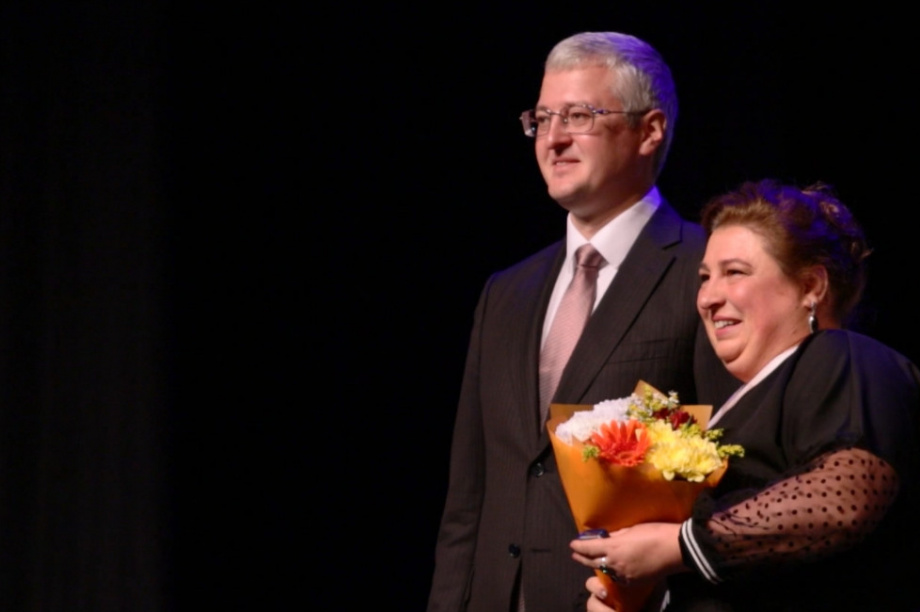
{"points": [[601, 128]]}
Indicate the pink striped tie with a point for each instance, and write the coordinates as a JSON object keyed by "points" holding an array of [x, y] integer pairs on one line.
{"points": [[574, 310]]}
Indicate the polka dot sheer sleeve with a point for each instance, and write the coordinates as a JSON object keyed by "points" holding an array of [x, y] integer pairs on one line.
{"points": [[828, 508]]}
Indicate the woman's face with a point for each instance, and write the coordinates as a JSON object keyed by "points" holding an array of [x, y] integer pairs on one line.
{"points": [[752, 311]]}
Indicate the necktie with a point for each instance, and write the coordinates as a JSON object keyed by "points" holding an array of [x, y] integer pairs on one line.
{"points": [[566, 328]]}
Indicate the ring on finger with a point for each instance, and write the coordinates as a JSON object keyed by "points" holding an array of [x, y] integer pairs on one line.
{"points": [[608, 570]]}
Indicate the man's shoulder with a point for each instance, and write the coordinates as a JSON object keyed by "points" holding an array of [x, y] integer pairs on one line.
{"points": [[541, 261], [692, 237], [668, 235], [666, 230], [526, 280], [669, 228]]}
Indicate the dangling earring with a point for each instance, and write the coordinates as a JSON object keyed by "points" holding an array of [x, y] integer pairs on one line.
{"points": [[813, 319]]}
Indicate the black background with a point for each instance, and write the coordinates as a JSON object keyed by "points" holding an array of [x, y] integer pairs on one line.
{"points": [[240, 248]]}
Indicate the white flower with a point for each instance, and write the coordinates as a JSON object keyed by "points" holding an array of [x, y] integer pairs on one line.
{"points": [[583, 423]]}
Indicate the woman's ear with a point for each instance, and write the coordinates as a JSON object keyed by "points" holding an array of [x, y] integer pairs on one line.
{"points": [[815, 285]]}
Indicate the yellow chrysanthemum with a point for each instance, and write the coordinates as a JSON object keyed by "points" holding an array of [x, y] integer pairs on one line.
{"points": [[690, 457]]}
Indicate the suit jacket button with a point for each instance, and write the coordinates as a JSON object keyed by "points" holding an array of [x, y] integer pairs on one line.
{"points": [[537, 469], [514, 550]]}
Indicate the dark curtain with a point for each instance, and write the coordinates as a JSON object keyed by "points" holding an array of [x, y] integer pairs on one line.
{"points": [[85, 332]]}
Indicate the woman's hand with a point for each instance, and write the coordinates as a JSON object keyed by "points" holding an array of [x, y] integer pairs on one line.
{"points": [[598, 595], [645, 552]]}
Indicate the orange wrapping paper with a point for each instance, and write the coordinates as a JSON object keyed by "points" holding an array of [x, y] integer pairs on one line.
{"points": [[602, 495]]}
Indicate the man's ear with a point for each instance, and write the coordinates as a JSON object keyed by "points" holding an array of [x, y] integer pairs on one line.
{"points": [[653, 127]]}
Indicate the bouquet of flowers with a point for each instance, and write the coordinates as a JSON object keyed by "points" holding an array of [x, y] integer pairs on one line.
{"points": [[642, 458]]}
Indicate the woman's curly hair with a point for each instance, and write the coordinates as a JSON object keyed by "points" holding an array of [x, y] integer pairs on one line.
{"points": [[802, 228]]}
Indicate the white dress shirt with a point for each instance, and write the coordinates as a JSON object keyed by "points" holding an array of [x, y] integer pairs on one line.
{"points": [[613, 241]]}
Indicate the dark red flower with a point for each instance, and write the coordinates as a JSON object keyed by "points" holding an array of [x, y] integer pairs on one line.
{"points": [[675, 417]]}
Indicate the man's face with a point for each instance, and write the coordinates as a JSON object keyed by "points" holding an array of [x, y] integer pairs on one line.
{"points": [[599, 173]]}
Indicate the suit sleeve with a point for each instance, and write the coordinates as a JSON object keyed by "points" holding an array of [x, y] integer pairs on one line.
{"points": [[457, 537]]}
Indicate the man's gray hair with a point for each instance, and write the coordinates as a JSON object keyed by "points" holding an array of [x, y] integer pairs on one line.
{"points": [[644, 81]]}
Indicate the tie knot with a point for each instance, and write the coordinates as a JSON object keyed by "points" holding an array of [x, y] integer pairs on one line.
{"points": [[586, 256]]}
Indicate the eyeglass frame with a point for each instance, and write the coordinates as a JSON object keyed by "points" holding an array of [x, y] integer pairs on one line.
{"points": [[528, 118]]}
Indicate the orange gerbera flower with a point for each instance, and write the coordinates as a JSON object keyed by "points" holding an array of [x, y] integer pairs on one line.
{"points": [[622, 443]]}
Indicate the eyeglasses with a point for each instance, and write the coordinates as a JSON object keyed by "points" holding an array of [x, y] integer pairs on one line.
{"points": [[576, 119]]}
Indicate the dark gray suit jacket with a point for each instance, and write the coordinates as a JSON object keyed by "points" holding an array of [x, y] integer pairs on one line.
{"points": [[506, 511]]}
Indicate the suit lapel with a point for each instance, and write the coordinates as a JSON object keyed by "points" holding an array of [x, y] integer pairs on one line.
{"points": [[648, 260], [534, 299]]}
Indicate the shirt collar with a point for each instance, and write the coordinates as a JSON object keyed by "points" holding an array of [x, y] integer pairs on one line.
{"points": [[615, 239]]}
